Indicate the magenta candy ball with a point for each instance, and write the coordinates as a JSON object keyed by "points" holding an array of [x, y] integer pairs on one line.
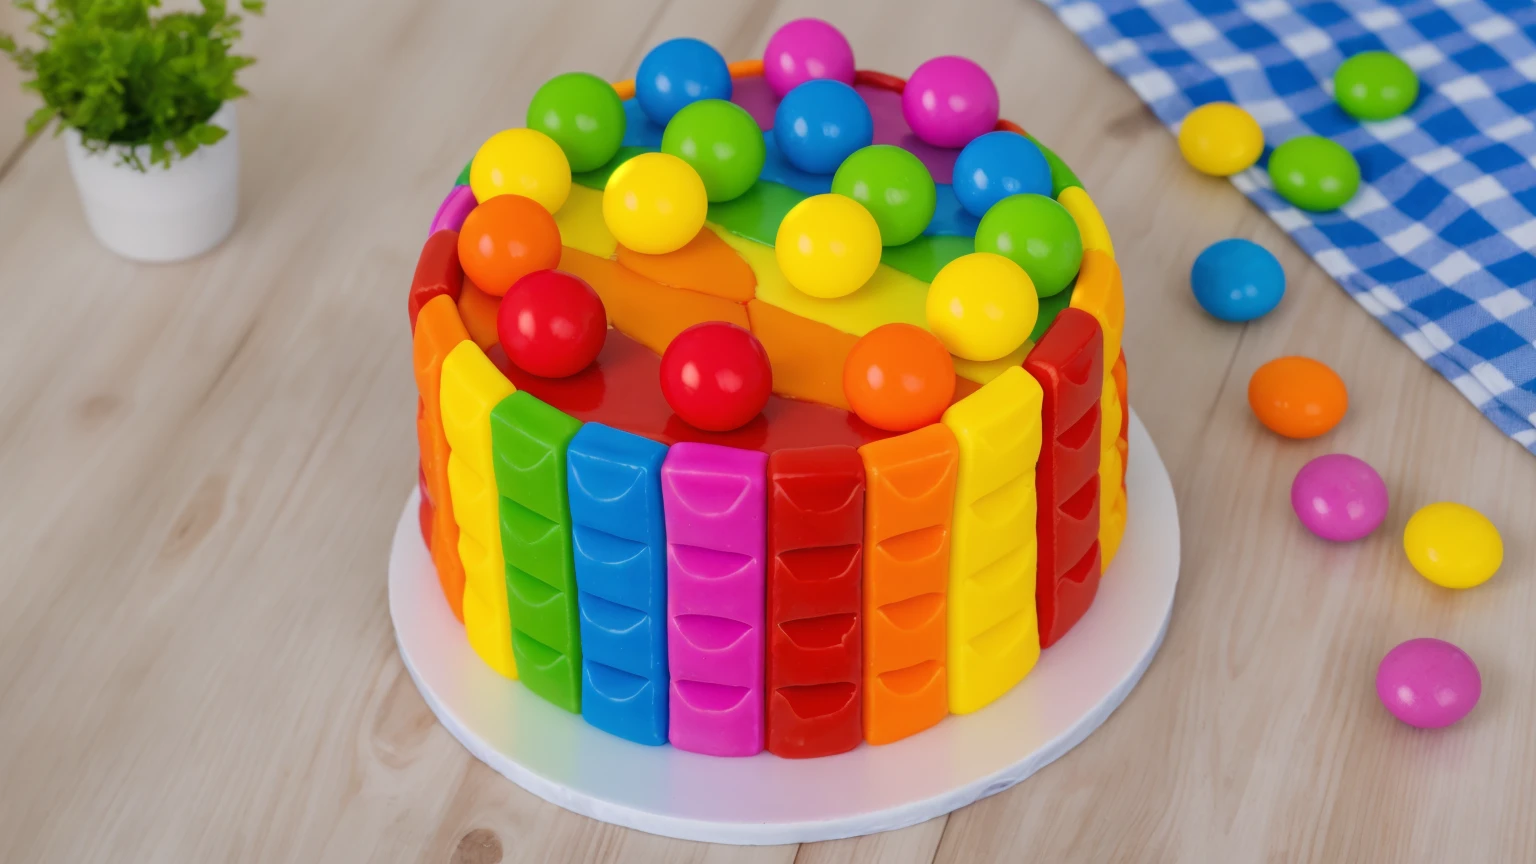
{"points": [[1428, 683], [948, 101], [804, 49], [1339, 497]]}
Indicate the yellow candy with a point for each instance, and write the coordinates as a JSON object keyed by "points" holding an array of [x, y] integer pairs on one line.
{"points": [[522, 162], [828, 246], [655, 203], [982, 306], [1453, 545], [1220, 139]]}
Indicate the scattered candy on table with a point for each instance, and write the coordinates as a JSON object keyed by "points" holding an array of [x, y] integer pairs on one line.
{"points": [[1220, 139], [1039, 235], [1453, 545], [949, 100], [1375, 85], [1237, 280], [1297, 397], [505, 239], [1428, 683], [1338, 497], [982, 306], [820, 123], [551, 324], [521, 162], [806, 49], [722, 142], [581, 113], [828, 245], [899, 377], [655, 203], [679, 72], [996, 165], [1314, 173], [894, 186], [716, 376]]}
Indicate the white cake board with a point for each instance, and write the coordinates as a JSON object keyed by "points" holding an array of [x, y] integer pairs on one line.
{"points": [[768, 800]]}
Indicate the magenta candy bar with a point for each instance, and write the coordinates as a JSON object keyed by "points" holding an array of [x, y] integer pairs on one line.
{"points": [[715, 501], [454, 210]]}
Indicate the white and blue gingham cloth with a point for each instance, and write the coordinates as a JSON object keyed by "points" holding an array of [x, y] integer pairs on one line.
{"points": [[1438, 243]]}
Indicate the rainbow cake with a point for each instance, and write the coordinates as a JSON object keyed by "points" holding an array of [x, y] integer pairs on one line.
{"points": [[774, 405]]}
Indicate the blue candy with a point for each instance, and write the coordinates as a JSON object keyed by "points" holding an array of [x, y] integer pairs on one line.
{"points": [[679, 72], [820, 123], [1237, 280], [996, 165]]}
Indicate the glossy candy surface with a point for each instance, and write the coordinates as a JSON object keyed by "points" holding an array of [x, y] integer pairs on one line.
{"points": [[551, 324], [1220, 139], [982, 306], [1338, 497], [1428, 683], [505, 239], [1237, 280], [522, 162], [820, 123], [893, 185], [1314, 173], [1039, 235], [1375, 85], [677, 73], [806, 49], [996, 165], [1297, 397], [828, 245], [1453, 545], [655, 203], [722, 142], [899, 377], [581, 113], [950, 100], [716, 376]]}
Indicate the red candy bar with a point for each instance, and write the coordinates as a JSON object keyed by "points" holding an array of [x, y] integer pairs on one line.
{"points": [[437, 272]]}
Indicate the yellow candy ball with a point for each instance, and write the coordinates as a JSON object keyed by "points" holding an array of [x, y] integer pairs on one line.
{"points": [[522, 162], [828, 245], [1220, 139], [1453, 545], [655, 203], [982, 306]]}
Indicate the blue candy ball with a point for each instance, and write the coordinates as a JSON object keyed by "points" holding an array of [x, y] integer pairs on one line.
{"points": [[1237, 280], [996, 165], [677, 73], [820, 123]]}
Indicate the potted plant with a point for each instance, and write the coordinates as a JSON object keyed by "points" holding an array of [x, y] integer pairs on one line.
{"points": [[145, 102]]}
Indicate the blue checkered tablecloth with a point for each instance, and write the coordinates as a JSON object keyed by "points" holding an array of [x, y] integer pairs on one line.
{"points": [[1438, 243]]}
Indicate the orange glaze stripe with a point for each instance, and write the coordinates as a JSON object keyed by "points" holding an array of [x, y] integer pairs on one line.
{"points": [[647, 312], [807, 356], [438, 331], [477, 310], [706, 265]]}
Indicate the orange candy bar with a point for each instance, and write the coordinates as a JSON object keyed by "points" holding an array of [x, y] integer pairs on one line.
{"points": [[477, 310], [909, 502], [1122, 389], [438, 331], [706, 265], [643, 310]]}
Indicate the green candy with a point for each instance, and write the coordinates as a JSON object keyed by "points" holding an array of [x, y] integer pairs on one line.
{"points": [[894, 186], [1061, 175], [1314, 173], [722, 142], [463, 179], [1039, 235], [1375, 86], [583, 114]]}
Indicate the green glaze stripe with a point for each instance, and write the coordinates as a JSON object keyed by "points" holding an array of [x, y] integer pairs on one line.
{"points": [[464, 175], [1061, 176], [924, 257], [756, 213], [597, 178]]}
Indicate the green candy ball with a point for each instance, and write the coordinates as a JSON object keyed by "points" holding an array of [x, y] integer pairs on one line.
{"points": [[1314, 173], [894, 186], [583, 114], [1375, 86], [722, 142], [1039, 235]]}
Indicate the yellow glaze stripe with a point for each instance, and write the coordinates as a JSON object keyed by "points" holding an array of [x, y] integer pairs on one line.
{"points": [[1089, 223], [581, 223], [982, 371]]}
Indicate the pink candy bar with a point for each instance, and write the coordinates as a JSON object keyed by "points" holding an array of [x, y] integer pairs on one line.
{"points": [[715, 501], [454, 210]]}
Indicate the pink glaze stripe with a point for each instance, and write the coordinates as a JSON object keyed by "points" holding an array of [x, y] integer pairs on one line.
{"points": [[454, 210], [715, 501]]}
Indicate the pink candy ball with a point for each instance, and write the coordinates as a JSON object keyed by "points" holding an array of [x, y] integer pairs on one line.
{"points": [[1428, 683], [950, 100], [804, 49], [1339, 497]]}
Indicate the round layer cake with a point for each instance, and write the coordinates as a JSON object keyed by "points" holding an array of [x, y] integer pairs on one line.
{"points": [[850, 451]]}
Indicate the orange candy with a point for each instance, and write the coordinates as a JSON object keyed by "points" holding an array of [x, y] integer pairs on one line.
{"points": [[1297, 397], [899, 377], [505, 239]]}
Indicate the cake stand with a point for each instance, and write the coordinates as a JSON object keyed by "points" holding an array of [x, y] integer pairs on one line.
{"points": [[768, 800]]}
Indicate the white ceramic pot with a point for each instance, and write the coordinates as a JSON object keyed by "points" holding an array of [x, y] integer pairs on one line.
{"points": [[165, 214]]}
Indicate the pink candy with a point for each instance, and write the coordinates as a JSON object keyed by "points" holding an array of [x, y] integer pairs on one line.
{"points": [[950, 100], [1428, 683], [453, 211], [804, 49], [1339, 497]]}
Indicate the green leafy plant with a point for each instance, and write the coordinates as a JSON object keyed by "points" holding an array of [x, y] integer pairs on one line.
{"points": [[122, 75]]}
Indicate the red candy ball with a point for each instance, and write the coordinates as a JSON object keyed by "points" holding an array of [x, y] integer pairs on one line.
{"points": [[551, 324], [716, 376]]}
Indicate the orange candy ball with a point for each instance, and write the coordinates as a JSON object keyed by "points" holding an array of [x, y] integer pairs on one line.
{"points": [[899, 377], [504, 239], [1297, 397]]}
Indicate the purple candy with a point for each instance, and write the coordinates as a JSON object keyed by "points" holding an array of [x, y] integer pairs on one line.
{"points": [[950, 100], [1339, 497], [805, 49], [1428, 683], [454, 210]]}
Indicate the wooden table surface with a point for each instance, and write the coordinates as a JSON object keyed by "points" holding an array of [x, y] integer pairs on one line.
{"points": [[201, 466]]}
